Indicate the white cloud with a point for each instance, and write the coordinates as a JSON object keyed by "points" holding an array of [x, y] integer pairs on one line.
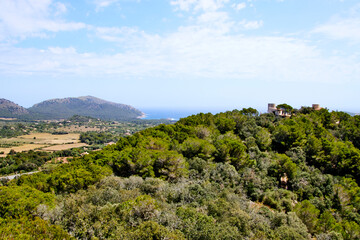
{"points": [[22, 18], [100, 4], [216, 23], [212, 15], [104, 3], [205, 49], [183, 5], [341, 29], [60, 8], [127, 37], [250, 25], [239, 6], [199, 5], [115, 34], [61, 51], [344, 26], [194, 52]]}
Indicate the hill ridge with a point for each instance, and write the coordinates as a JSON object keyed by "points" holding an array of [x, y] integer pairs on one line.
{"points": [[61, 108], [11, 109]]}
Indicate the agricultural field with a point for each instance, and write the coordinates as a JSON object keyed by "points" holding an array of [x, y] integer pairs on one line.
{"points": [[35, 135], [21, 148], [64, 147], [48, 138], [40, 142]]}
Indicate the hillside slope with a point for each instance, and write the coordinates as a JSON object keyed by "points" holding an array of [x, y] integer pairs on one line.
{"points": [[234, 175], [11, 109], [84, 106]]}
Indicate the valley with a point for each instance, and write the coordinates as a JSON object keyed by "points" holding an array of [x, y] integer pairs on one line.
{"points": [[58, 139]]}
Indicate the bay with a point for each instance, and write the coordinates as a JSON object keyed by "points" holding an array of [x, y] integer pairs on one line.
{"points": [[172, 114]]}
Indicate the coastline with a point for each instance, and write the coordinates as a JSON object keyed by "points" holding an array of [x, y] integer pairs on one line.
{"points": [[142, 116], [168, 114]]}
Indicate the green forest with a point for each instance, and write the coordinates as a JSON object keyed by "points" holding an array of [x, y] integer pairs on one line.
{"points": [[233, 175]]}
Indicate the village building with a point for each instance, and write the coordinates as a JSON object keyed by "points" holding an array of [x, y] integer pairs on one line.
{"points": [[277, 111], [280, 112]]}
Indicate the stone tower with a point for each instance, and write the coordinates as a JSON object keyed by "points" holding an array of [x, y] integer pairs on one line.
{"points": [[271, 107], [316, 107]]}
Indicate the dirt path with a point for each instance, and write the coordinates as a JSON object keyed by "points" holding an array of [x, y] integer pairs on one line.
{"points": [[11, 177]]}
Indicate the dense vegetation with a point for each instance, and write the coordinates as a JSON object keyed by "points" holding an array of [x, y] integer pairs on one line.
{"points": [[97, 137], [13, 130], [234, 175], [21, 162]]}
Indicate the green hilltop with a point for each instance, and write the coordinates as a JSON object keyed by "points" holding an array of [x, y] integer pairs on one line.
{"points": [[233, 175]]}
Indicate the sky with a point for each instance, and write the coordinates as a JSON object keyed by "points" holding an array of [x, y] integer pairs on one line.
{"points": [[206, 55]]}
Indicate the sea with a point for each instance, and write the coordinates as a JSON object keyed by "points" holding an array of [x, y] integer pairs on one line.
{"points": [[173, 114]]}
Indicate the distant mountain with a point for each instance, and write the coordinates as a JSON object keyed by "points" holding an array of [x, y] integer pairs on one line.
{"points": [[84, 106], [10, 109]]}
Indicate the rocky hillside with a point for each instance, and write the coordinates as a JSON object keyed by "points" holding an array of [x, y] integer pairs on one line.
{"points": [[85, 106], [11, 109], [67, 107]]}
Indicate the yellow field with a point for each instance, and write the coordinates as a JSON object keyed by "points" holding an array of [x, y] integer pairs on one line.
{"points": [[41, 141], [64, 147], [8, 119], [48, 138], [25, 147]]}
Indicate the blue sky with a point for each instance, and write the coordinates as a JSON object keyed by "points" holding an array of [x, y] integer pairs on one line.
{"points": [[206, 55]]}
